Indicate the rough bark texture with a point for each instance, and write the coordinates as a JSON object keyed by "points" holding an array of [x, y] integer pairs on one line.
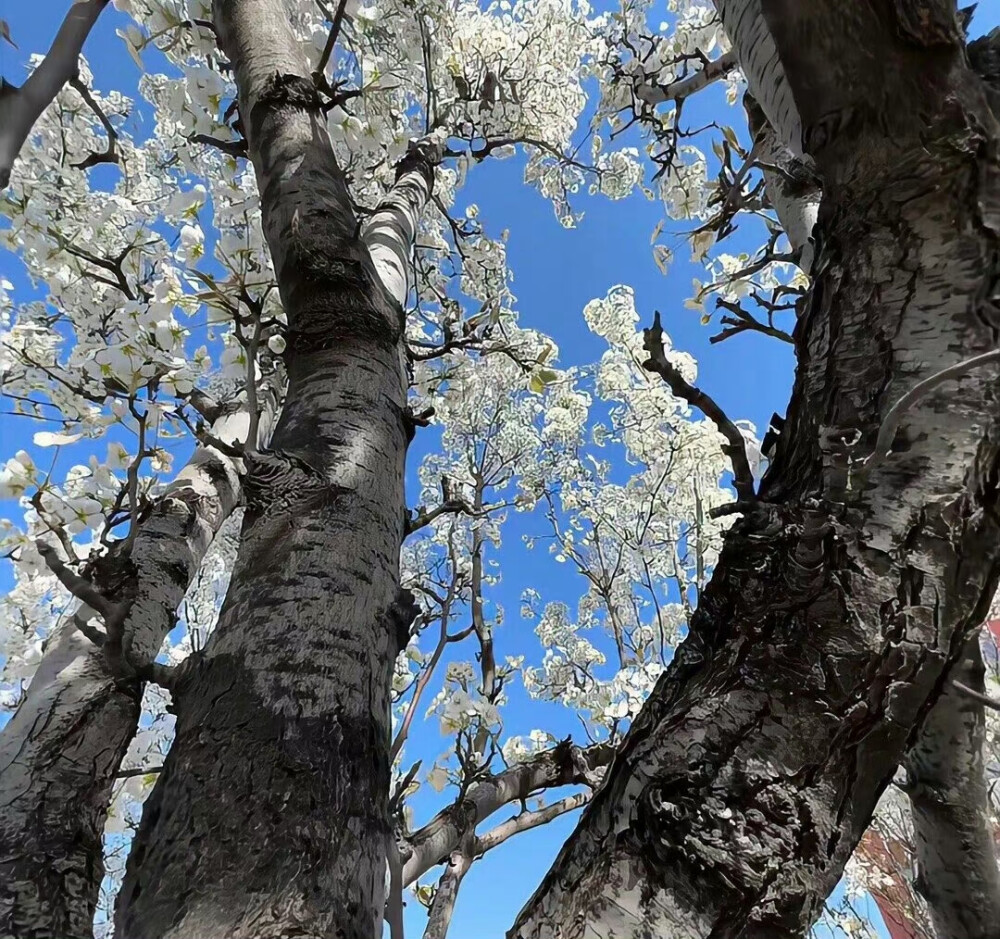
{"points": [[270, 816], [841, 600], [21, 107], [61, 750], [953, 834]]}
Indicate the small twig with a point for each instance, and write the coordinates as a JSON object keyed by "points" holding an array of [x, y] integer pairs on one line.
{"points": [[397, 797], [736, 449], [425, 677], [890, 423], [983, 699]]}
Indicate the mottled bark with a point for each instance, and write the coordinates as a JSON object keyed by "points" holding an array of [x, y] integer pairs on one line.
{"points": [[754, 46], [843, 597], [21, 106], [61, 750], [953, 834], [270, 817]]}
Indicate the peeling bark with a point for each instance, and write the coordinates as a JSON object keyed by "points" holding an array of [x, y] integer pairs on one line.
{"points": [[270, 817], [21, 107], [946, 782], [841, 598], [60, 751]]}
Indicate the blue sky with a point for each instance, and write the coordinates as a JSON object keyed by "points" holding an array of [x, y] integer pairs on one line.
{"points": [[556, 273]]}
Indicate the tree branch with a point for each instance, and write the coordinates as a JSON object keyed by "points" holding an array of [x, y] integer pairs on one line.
{"points": [[81, 588], [235, 148], [653, 93], [736, 450], [21, 107], [525, 821], [110, 154], [443, 904], [890, 423], [138, 771], [563, 765], [319, 75], [392, 227], [983, 699]]}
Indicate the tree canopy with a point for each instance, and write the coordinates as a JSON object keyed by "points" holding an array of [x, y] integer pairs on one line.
{"points": [[240, 291]]}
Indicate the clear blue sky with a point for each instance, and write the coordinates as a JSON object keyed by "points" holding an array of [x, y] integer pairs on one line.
{"points": [[556, 273]]}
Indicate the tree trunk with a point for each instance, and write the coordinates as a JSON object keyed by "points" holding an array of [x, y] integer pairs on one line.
{"points": [[842, 598], [953, 834], [270, 816], [61, 750]]}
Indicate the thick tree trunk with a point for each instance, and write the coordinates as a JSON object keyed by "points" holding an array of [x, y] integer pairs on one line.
{"points": [[953, 833], [842, 599], [270, 817], [61, 750]]}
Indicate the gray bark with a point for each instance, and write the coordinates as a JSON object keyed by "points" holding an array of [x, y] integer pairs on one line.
{"points": [[443, 906], [953, 833], [60, 751], [270, 817], [21, 107], [390, 231], [563, 765], [843, 597]]}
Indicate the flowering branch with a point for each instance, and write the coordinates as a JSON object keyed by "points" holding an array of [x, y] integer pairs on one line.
{"points": [[736, 449]]}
